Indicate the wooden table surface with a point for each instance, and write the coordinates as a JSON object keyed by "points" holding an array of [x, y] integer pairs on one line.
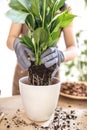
{"points": [[15, 117]]}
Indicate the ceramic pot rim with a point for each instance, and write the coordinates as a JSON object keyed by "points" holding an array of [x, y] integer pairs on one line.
{"points": [[26, 77]]}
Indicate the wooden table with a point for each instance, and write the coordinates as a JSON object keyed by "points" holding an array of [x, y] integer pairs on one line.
{"points": [[15, 117]]}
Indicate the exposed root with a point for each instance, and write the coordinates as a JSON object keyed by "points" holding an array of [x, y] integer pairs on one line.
{"points": [[40, 75]]}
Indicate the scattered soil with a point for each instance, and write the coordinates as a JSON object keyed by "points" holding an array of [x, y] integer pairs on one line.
{"points": [[15, 121], [62, 121], [74, 88]]}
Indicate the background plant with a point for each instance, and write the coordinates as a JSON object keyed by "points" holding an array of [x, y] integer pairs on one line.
{"points": [[85, 2], [77, 69]]}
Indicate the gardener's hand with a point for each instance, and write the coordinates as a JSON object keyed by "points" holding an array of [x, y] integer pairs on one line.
{"points": [[52, 56], [24, 54]]}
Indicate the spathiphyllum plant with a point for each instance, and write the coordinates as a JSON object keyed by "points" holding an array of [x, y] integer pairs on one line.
{"points": [[44, 20]]}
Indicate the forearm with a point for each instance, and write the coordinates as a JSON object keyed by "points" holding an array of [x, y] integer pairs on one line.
{"points": [[70, 53], [15, 31], [10, 42], [70, 41]]}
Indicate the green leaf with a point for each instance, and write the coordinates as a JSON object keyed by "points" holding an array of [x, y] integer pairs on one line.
{"points": [[67, 19], [38, 23], [40, 35], [56, 20], [52, 6], [30, 21], [60, 4], [51, 43], [35, 8], [27, 41], [56, 34], [22, 5], [61, 20], [17, 16], [43, 47], [57, 5]]}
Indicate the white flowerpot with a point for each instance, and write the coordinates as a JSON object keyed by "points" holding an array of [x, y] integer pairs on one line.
{"points": [[39, 101]]}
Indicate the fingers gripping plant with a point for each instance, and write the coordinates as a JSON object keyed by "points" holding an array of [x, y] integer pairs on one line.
{"points": [[44, 21]]}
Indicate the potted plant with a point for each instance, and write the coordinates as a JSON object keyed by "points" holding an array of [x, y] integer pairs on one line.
{"points": [[44, 21]]}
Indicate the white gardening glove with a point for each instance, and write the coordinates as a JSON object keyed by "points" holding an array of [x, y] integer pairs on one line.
{"points": [[52, 56], [22, 53]]}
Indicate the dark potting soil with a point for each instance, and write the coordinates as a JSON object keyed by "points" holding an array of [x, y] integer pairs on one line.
{"points": [[40, 75]]}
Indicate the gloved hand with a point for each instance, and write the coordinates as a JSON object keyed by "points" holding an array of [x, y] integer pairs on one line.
{"points": [[22, 53], [52, 56]]}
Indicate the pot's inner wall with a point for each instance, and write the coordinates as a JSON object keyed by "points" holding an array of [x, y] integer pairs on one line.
{"points": [[54, 80]]}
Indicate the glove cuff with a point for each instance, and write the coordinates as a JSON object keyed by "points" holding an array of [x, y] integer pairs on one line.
{"points": [[61, 57], [16, 41]]}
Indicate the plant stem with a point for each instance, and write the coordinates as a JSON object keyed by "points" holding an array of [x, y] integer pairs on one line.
{"points": [[44, 8]]}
